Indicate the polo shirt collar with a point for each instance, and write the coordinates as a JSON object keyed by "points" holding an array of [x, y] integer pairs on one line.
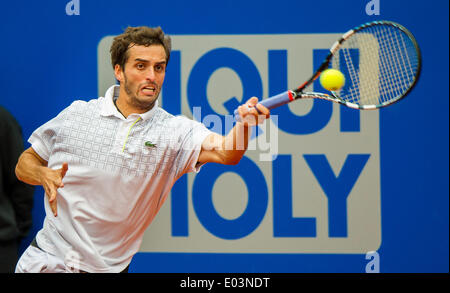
{"points": [[109, 109]]}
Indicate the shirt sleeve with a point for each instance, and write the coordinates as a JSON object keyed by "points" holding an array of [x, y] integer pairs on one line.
{"points": [[43, 139], [192, 137]]}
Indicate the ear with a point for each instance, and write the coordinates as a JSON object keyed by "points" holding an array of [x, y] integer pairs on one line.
{"points": [[118, 72]]}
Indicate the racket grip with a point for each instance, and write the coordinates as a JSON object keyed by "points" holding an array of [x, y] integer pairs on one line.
{"points": [[272, 102]]}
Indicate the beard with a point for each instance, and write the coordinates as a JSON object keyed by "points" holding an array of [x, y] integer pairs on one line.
{"points": [[133, 91]]}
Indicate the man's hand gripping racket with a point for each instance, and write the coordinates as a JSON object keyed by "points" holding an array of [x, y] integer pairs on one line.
{"points": [[381, 63]]}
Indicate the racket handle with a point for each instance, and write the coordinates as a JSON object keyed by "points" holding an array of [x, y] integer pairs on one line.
{"points": [[272, 102]]}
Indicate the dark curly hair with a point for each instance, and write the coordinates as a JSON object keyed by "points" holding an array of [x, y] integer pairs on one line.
{"points": [[142, 35]]}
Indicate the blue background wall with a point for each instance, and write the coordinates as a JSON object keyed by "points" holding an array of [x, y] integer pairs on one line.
{"points": [[50, 59]]}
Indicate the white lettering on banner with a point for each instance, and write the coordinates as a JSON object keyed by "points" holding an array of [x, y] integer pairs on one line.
{"points": [[321, 191], [73, 7], [373, 7], [373, 266]]}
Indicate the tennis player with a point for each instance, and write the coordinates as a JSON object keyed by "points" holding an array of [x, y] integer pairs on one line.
{"points": [[107, 165]]}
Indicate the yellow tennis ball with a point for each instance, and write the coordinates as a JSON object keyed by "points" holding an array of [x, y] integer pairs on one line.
{"points": [[332, 79]]}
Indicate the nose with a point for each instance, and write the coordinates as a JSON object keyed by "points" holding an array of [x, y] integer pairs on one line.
{"points": [[150, 74]]}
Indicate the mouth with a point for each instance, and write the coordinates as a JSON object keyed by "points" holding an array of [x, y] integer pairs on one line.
{"points": [[149, 90]]}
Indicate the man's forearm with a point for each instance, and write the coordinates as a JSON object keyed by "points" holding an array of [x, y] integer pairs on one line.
{"points": [[29, 167], [32, 169], [235, 143]]}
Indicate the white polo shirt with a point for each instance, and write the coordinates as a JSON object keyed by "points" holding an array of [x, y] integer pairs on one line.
{"points": [[120, 173]]}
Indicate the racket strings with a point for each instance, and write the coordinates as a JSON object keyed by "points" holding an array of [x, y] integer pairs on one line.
{"points": [[398, 79], [354, 76], [388, 72], [394, 78], [380, 64]]}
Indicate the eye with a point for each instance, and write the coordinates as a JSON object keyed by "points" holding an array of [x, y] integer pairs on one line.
{"points": [[159, 68], [140, 66]]}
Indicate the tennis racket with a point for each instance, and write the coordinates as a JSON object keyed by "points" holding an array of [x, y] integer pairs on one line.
{"points": [[380, 61]]}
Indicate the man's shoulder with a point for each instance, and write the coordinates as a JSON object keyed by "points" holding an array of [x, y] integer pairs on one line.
{"points": [[174, 120], [84, 106], [88, 103]]}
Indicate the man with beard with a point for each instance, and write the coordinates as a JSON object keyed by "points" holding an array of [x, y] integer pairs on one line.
{"points": [[107, 165]]}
